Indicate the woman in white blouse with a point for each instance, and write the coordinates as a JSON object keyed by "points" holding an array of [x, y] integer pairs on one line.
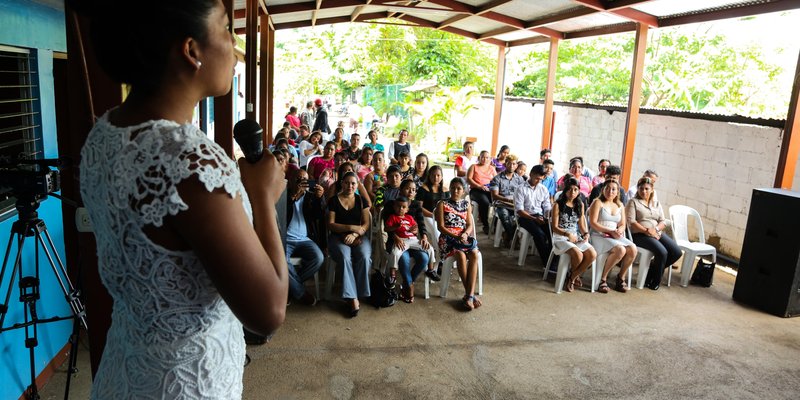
{"points": [[646, 219]]}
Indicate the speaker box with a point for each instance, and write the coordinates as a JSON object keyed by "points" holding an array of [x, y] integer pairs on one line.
{"points": [[769, 269]]}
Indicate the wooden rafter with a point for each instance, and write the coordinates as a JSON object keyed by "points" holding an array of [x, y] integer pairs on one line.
{"points": [[314, 13], [358, 11], [625, 11]]}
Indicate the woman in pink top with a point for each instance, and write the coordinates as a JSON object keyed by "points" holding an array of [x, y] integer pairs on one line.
{"points": [[576, 169], [478, 176], [292, 117], [364, 165], [319, 164]]}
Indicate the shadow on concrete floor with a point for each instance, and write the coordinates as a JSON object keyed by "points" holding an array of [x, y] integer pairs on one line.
{"points": [[526, 342]]}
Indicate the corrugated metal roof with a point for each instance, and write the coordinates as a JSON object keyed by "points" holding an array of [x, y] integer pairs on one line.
{"points": [[510, 22]]}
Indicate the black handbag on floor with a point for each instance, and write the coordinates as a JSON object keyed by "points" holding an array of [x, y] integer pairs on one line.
{"points": [[703, 274], [382, 293]]}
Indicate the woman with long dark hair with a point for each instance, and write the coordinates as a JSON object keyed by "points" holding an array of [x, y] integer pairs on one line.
{"points": [[570, 233], [160, 193]]}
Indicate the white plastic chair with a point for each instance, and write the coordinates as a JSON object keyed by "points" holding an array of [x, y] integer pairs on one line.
{"points": [[680, 228], [447, 267], [599, 265], [644, 258], [526, 244], [297, 261], [563, 267]]}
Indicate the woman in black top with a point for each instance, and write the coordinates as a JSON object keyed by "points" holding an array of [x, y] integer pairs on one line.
{"points": [[348, 242], [431, 191]]}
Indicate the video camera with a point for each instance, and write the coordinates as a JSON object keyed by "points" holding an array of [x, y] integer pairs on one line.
{"points": [[29, 179]]}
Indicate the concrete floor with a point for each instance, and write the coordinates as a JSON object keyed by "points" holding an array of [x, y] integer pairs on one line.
{"points": [[526, 343]]}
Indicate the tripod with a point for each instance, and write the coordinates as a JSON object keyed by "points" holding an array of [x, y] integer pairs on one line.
{"points": [[30, 225]]}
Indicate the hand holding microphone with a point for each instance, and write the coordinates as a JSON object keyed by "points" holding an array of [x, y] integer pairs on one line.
{"points": [[262, 176]]}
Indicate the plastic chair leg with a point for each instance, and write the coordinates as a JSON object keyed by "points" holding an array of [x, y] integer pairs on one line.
{"points": [[561, 275]]}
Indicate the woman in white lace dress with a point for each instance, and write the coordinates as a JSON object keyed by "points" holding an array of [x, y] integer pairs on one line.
{"points": [[176, 244]]}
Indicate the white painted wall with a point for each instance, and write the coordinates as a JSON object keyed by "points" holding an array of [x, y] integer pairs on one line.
{"points": [[708, 165]]}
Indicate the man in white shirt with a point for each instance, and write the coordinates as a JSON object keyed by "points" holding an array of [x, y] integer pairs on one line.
{"points": [[532, 205]]}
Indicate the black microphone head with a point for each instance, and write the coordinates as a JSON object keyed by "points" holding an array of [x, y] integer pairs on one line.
{"points": [[249, 136]]}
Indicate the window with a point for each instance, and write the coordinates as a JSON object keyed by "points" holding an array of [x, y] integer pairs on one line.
{"points": [[20, 120]]}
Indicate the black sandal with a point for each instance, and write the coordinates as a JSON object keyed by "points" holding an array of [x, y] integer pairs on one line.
{"points": [[603, 288]]}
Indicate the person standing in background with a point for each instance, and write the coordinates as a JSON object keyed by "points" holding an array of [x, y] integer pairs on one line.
{"points": [[308, 115], [321, 120]]}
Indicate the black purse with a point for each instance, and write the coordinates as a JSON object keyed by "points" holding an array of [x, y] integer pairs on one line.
{"points": [[703, 274], [382, 293]]}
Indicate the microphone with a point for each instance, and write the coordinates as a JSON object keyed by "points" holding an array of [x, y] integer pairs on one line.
{"points": [[249, 137]]}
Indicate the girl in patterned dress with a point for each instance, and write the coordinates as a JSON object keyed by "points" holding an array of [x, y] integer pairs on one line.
{"points": [[457, 239]]}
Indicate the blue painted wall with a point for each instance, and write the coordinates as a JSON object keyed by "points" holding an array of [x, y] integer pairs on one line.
{"points": [[41, 29]]}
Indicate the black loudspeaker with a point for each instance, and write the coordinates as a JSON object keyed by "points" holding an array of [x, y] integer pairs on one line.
{"points": [[769, 270]]}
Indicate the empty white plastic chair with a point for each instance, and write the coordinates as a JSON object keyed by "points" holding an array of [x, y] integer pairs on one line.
{"points": [[680, 228]]}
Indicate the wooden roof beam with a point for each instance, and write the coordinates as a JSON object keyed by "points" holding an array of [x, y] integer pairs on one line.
{"points": [[481, 10], [358, 11], [622, 11]]}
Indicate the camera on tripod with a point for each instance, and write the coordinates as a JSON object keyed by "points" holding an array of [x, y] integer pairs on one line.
{"points": [[29, 180]]}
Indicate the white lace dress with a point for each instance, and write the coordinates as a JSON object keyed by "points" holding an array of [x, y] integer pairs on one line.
{"points": [[172, 336]]}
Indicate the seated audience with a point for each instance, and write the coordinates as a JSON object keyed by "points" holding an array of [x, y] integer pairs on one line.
{"points": [[420, 169], [653, 178], [502, 187], [406, 239], [348, 241], [532, 204], [390, 190], [429, 194], [478, 177], [464, 161], [576, 170], [354, 151], [549, 180], [310, 147], [399, 146], [647, 222], [601, 172], [612, 173], [570, 233], [376, 178], [607, 220], [336, 187], [545, 155], [373, 144], [522, 170], [499, 162], [404, 162], [457, 239], [322, 163], [364, 164], [338, 140], [303, 208]]}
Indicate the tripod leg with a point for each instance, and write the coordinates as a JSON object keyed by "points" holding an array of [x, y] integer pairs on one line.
{"points": [[73, 355], [17, 264], [66, 285]]}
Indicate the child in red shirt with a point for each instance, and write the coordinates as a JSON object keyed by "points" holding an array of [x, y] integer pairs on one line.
{"points": [[405, 231]]}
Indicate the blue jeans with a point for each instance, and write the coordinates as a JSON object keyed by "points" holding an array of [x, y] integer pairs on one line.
{"points": [[311, 261], [507, 219], [355, 262], [420, 264]]}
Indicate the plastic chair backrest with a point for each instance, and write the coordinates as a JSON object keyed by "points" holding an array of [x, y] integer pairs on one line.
{"points": [[680, 222]]}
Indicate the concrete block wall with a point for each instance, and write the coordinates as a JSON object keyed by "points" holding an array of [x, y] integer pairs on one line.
{"points": [[708, 165]]}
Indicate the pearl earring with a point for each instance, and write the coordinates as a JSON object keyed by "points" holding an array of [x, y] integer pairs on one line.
{"points": [[198, 64]]}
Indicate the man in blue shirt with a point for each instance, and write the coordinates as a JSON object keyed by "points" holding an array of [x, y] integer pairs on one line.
{"points": [[549, 180], [303, 208]]}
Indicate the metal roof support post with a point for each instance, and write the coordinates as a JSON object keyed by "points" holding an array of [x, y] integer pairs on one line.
{"points": [[499, 93], [251, 60], [790, 147], [547, 126], [223, 107], [270, 81], [634, 98]]}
